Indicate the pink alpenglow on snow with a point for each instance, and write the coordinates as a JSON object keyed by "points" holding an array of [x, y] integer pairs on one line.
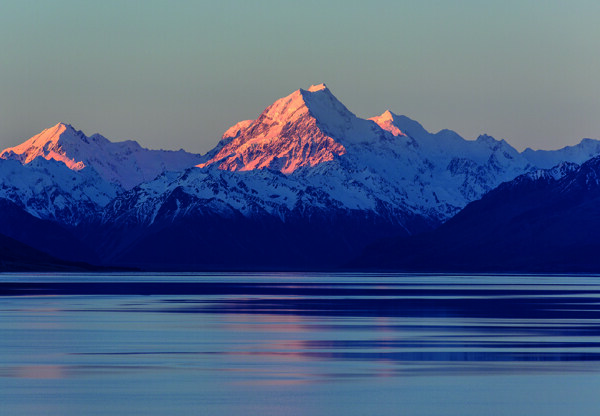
{"points": [[235, 130], [125, 163], [47, 144], [386, 122], [318, 87], [293, 132]]}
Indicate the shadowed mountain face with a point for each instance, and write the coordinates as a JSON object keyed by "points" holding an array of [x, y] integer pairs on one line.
{"points": [[547, 221], [307, 185], [50, 237], [18, 257], [323, 241]]}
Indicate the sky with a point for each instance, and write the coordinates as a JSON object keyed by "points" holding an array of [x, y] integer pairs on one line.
{"points": [[176, 74]]}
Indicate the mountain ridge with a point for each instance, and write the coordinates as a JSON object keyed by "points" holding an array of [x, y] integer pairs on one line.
{"points": [[543, 221], [307, 181], [125, 163], [269, 142]]}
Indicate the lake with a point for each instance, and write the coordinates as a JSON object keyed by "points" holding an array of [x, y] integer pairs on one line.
{"points": [[299, 344]]}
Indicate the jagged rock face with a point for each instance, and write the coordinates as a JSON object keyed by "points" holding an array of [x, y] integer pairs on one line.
{"points": [[285, 137]]}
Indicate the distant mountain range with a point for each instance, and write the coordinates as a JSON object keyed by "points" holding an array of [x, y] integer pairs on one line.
{"points": [[544, 221], [307, 185]]}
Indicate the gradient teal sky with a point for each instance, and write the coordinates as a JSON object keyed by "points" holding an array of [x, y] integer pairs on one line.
{"points": [[177, 74]]}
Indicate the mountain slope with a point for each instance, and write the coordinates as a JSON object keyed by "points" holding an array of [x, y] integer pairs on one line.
{"points": [[49, 236], [18, 257], [312, 136], [123, 163], [65, 176], [306, 185], [48, 189], [546, 221], [579, 153], [287, 135], [254, 219]]}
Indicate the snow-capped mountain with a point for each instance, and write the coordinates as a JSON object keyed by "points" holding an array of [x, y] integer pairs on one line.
{"points": [[287, 135], [254, 193], [308, 184], [308, 163], [43, 204], [258, 218], [389, 159], [65, 176], [579, 153], [124, 163]]}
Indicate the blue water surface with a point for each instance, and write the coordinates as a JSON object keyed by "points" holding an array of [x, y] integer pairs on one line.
{"points": [[299, 344]]}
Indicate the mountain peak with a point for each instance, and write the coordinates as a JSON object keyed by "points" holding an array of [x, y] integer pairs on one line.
{"points": [[49, 145], [387, 121], [486, 138], [125, 163], [61, 131], [387, 115], [317, 102], [400, 125], [302, 129], [64, 126], [318, 87]]}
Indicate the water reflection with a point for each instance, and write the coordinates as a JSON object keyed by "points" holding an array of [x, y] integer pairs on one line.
{"points": [[224, 344], [36, 372]]}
